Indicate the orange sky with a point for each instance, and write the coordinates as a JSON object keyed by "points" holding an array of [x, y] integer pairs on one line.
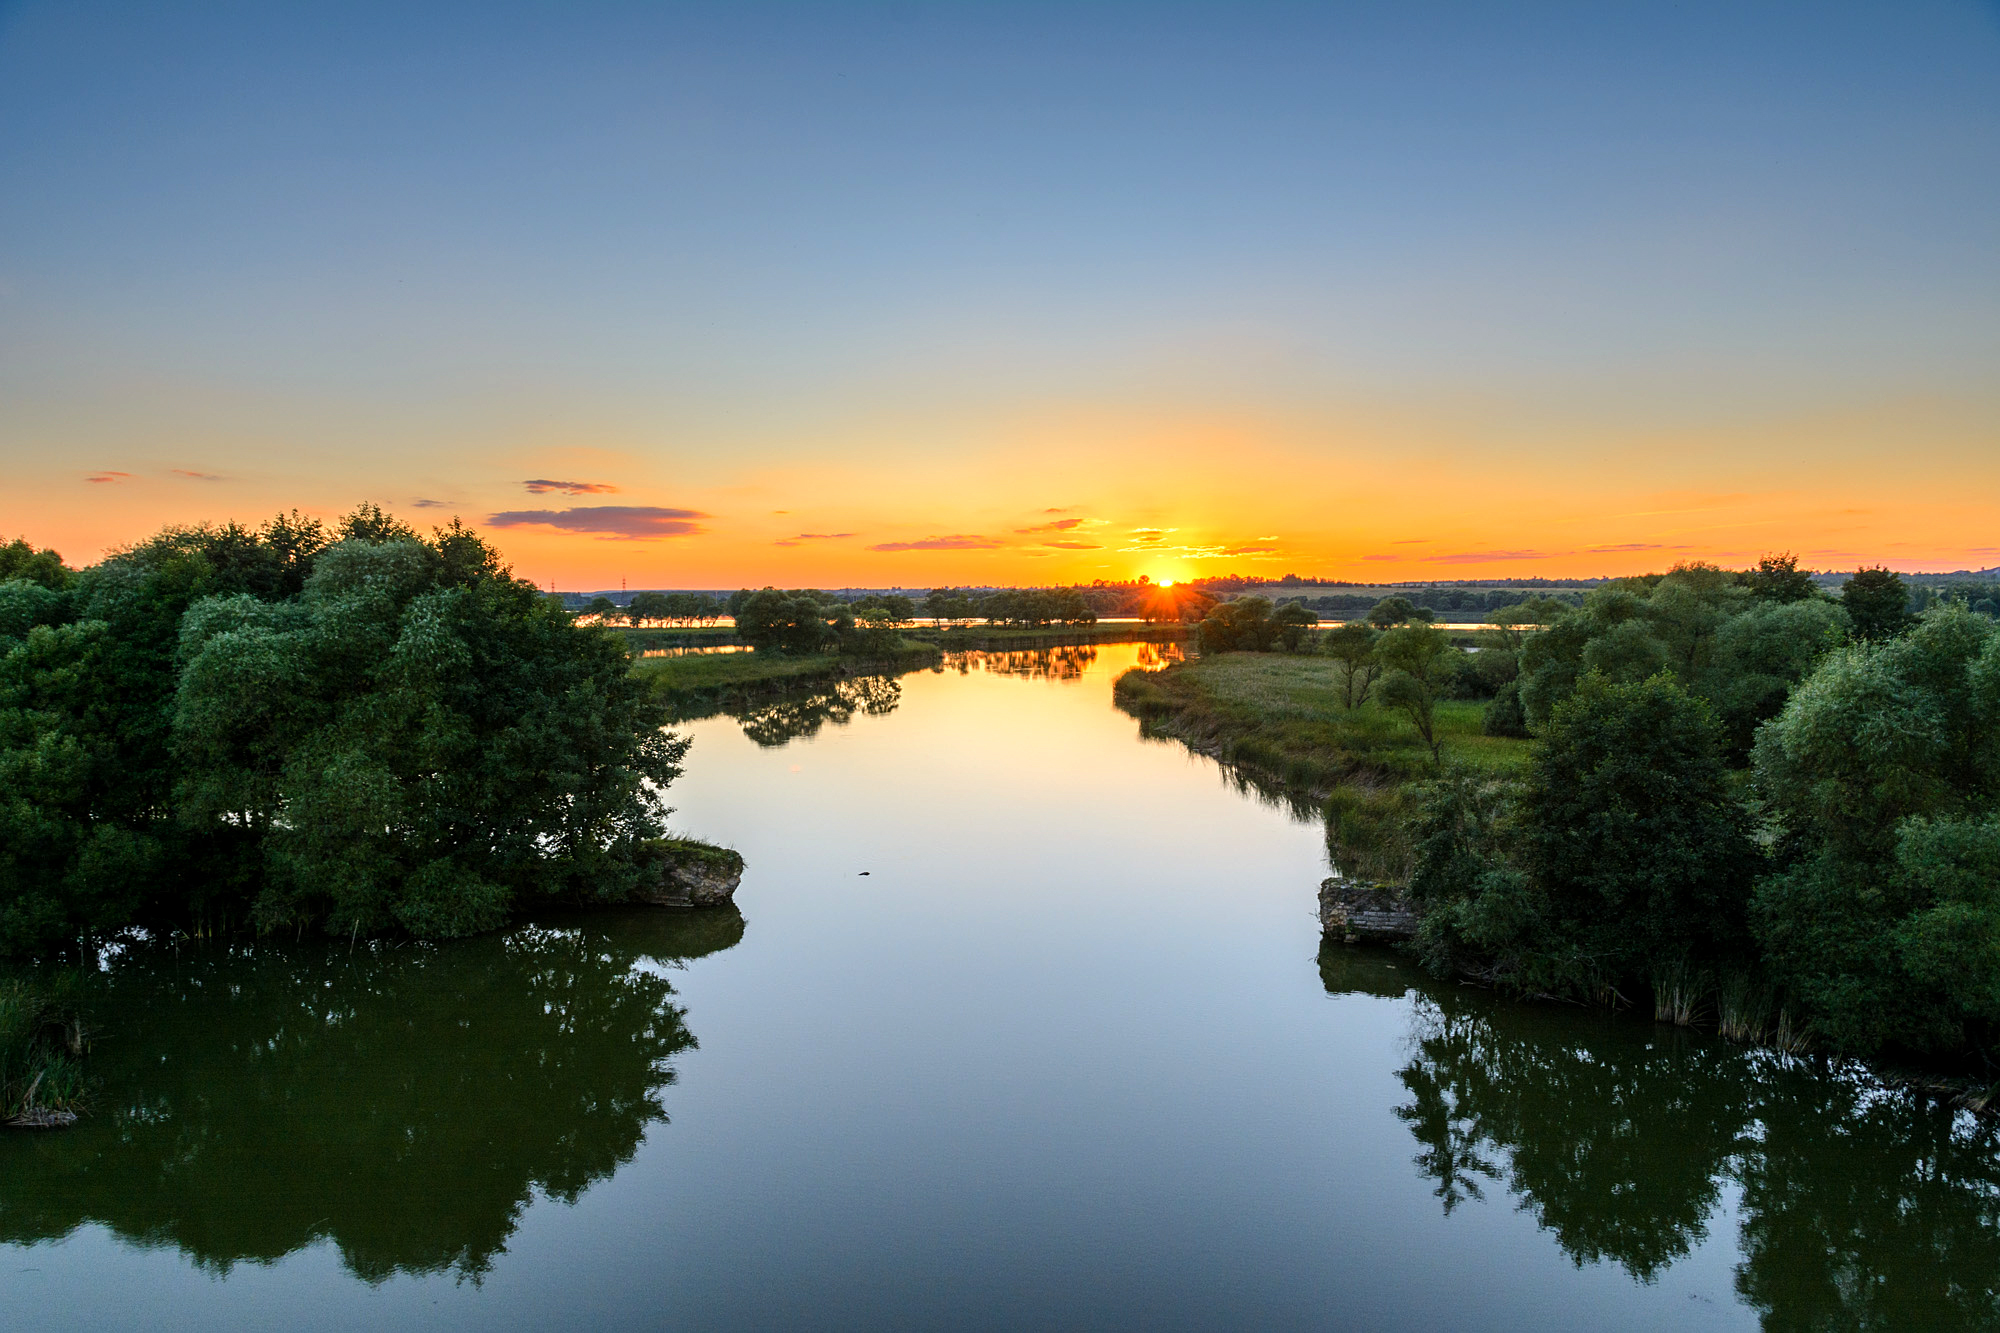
{"points": [[1073, 495]]}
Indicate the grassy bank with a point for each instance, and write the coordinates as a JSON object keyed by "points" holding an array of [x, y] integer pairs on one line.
{"points": [[42, 1046], [680, 636], [710, 681], [1277, 719]]}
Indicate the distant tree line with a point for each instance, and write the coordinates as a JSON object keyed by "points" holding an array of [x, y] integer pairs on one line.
{"points": [[1463, 601], [660, 608], [806, 621]]}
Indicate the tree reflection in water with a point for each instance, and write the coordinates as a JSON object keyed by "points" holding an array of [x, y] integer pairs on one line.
{"points": [[402, 1101], [1861, 1207], [1068, 662], [775, 724]]}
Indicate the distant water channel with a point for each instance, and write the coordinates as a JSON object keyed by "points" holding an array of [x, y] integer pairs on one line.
{"points": [[1025, 1023]]}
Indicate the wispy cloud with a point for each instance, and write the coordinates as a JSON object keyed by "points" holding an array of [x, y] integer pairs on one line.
{"points": [[1625, 546], [958, 541], [107, 476], [421, 503], [814, 537], [1481, 557], [630, 522], [196, 476], [1074, 546], [1060, 525], [1249, 550], [543, 486]]}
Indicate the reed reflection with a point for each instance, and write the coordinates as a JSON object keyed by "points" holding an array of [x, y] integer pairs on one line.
{"points": [[1861, 1206], [405, 1102]]}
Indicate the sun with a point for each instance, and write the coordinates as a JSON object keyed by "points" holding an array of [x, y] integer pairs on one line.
{"points": [[1163, 582]]}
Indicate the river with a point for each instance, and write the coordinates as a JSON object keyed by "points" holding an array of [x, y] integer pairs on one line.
{"points": [[1025, 1023]]}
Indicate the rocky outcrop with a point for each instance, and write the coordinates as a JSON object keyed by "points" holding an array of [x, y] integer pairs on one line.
{"points": [[1353, 911], [679, 872]]}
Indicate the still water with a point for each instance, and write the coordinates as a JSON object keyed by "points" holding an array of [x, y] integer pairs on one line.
{"points": [[1024, 1023]]}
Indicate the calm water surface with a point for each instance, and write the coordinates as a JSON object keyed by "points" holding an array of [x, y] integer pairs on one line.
{"points": [[1067, 1054]]}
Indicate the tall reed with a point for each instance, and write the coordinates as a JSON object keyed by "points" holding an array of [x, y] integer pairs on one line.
{"points": [[43, 1041]]}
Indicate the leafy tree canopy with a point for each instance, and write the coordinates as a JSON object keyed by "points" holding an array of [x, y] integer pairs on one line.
{"points": [[1877, 602], [368, 733]]}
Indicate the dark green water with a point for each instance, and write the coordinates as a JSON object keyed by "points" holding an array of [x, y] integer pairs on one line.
{"points": [[1068, 1055]]}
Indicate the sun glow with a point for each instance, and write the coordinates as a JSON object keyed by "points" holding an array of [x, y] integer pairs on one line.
{"points": [[1163, 583]]}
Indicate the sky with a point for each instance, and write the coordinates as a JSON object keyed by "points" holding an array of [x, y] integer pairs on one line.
{"points": [[707, 295]]}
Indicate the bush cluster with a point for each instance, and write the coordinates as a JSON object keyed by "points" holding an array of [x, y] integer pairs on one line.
{"points": [[354, 730]]}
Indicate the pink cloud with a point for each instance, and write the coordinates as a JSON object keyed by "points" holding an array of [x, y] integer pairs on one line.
{"points": [[631, 522], [107, 476]]}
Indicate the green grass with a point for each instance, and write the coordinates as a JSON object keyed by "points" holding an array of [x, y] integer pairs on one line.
{"points": [[42, 1045], [676, 636], [1283, 713], [1277, 719]]}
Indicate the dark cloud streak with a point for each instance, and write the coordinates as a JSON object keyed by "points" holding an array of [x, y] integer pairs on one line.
{"points": [[543, 486], [630, 522]]}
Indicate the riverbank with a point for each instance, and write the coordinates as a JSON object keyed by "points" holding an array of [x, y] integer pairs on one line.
{"points": [[711, 682], [963, 637], [1277, 719]]}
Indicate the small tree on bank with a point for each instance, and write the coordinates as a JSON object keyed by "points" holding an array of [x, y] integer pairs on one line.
{"points": [[1352, 647], [1419, 663]]}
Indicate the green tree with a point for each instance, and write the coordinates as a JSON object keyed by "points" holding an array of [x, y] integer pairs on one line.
{"points": [[417, 749], [797, 622], [19, 560], [950, 606], [1293, 624], [1877, 602], [646, 606], [1421, 666], [606, 610], [1503, 715], [1778, 578], [1739, 652], [1882, 776], [413, 738], [1352, 647], [1396, 609], [1242, 625], [1638, 850]]}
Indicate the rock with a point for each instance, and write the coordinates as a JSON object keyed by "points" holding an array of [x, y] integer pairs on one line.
{"points": [[683, 873], [1353, 910]]}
